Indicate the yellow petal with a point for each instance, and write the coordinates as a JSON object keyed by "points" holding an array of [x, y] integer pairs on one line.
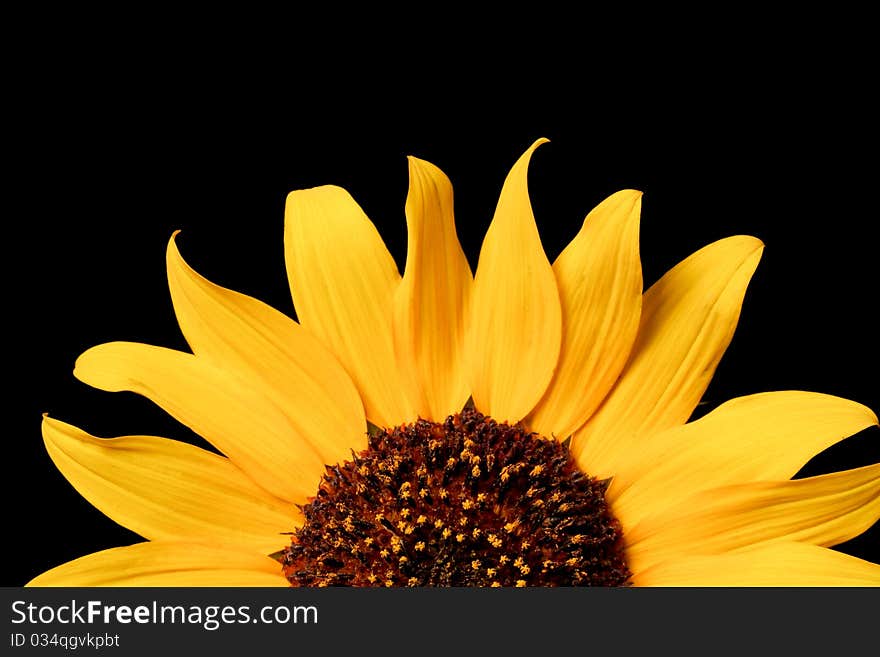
{"points": [[167, 490], [343, 280], [768, 436], [599, 276], [770, 564], [228, 411], [237, 332], [515, 323], [688, 319], [431, 301], [824, 510], [166, 564]]}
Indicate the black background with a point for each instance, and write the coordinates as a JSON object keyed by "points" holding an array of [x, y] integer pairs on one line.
{"points": [[107, 166]]}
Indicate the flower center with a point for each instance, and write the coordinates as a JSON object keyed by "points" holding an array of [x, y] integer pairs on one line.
{"points": [[469, 502]]}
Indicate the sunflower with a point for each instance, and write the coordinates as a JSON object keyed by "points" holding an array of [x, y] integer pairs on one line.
{"points": [[526, 426]]}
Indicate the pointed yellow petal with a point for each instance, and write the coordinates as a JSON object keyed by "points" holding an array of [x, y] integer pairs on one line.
{"points": [[167, 490], [768, 436], [599, 276], [824, 510], [231, 412], [343, 281], [688, 319], [431, 301], [166, 564], [770, 564], [239, 333], [515, 323]]}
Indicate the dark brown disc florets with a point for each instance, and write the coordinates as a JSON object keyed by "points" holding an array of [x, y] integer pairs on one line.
{"points": [[469, 502]]}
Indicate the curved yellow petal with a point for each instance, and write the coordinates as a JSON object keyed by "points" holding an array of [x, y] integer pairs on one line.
{"points": [[166, 564], [430, 302], [231, 412], [515, 322], [235, 331], [599, 276], [825, 510], [770, 564], [688, 319], [768, 436], [343, 280], [168, 490]]}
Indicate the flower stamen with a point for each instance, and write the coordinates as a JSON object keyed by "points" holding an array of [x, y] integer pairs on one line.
{"points": [[527, 516]]}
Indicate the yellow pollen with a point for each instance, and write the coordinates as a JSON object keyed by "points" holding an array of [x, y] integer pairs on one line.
{"points": [[404, 478], [495, 585]]}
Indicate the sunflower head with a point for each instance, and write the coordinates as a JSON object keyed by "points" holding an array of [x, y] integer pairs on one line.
{"points": [[573, 463]]}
